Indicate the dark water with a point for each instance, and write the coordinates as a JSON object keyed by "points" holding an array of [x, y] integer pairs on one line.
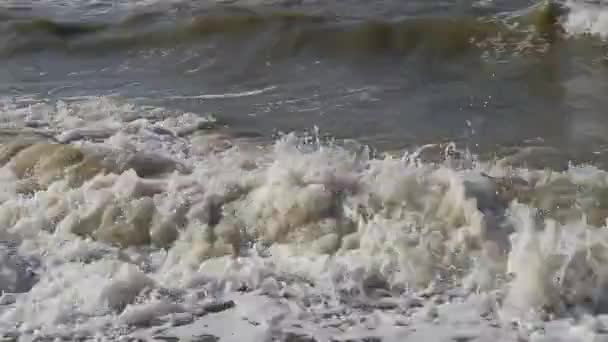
{"points": [[389, 73]]}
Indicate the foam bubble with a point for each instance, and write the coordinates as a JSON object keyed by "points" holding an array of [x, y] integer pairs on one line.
{"points": [[586, 18], [132, 243]]}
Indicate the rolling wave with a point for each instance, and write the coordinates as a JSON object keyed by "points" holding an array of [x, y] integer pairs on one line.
{"points": [[281, 32]]}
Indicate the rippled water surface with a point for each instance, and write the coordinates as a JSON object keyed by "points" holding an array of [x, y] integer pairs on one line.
{"points": [[338, 170], [387, 73]]}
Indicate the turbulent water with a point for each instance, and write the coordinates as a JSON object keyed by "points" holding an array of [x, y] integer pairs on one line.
{"points": [[303, 170]]}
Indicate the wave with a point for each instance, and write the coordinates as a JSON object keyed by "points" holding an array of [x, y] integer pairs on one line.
{"points": [[290, 32], [144, 208], [61, 30]]}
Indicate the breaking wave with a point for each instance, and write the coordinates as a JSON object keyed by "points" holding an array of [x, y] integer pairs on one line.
{"points": [[127, 219]]}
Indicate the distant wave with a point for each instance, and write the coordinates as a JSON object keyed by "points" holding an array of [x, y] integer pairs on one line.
{"points": [[291, 32]]}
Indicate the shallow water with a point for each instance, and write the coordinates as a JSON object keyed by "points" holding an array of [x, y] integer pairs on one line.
{"points": [[300, 170], [386, 73]]}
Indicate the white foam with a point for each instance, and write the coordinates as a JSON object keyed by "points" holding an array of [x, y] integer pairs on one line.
{"points": [[328, 241], [586, 18], [227, 95]]}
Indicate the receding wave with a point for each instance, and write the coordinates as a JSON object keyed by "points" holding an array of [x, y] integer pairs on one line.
{"points": [[280, 33]]}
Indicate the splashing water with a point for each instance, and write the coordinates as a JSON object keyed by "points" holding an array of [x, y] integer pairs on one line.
{"points": [[142, 227]]}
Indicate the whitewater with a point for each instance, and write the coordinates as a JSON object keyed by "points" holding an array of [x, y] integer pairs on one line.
{"points": [[299, 237], [123, 221]]}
